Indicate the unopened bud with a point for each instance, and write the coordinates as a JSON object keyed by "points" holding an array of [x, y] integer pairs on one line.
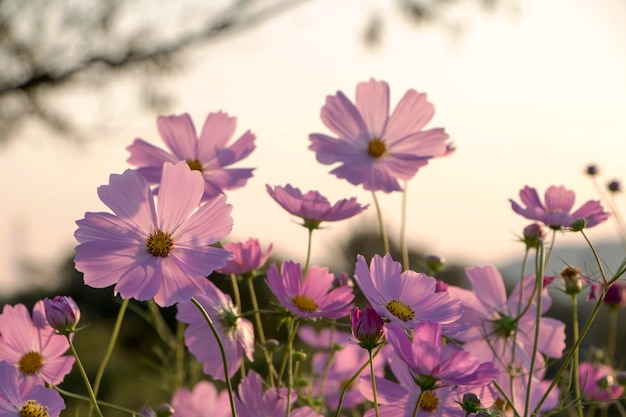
{"points": [[533, 233], [62, 314], [272, 345], [592, 170], [614, 186], [471, 403], [299, 356], [572, 280], [578, 224], [342, 280], [435, 263]]}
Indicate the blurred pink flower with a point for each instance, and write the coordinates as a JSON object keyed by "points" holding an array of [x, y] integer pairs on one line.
{"points": [[247, 257], [153, 252], [313, 207], [32, 346], [598, 382], [20, 397], [203, 400], [236, 333], [208, 153], [312, 297], [556, 213], [374, 148]]}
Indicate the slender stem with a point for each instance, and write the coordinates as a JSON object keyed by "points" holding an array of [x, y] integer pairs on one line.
{"points": [[101, 403], [109, 351], [229, 384], [403, 244], [576, 358], [383, 232], [259, 327], [292, 328], [308, 252], [417, 404], [94, 401], [284, 363], [610, 351], [373, 382], [596, 257], [180, 355], [329, 360], [518, 314], [539, 265], [235, 285]]}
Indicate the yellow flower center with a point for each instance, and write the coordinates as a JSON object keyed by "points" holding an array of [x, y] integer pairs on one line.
{"points": [[376, 148], [159, 243], [30, 363], [195, 165], [304, 303], [400, 310], [429, 401], [32, 408]]}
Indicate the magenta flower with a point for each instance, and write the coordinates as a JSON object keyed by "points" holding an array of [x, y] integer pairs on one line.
{"points": [[253, 402], [374, 148], [556, 213], [405, 298], [615, 295], [203, 400], [153, 252], [236, 333], [598, 382], [247, 257], [367, 327], [62, 313], [312, 297], [21, 397], [208, 154], [313, 207], [32, 346]]}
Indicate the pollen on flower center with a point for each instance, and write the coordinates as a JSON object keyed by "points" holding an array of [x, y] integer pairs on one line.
{"points": [[30, 363], [429, 401], [304, 303], [195, 165], [376, 148], [32, 408], [400, 310], [159, 243]]}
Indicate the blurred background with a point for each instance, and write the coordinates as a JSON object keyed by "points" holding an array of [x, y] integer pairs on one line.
{"points": [[531, 92]]}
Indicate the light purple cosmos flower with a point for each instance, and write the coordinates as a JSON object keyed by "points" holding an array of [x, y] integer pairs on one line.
{"points": [[556, 213], [203, 400], [312, 297], [21, 397], [209, 153], [253, 402], [405, 298], [313, 207], [157, 252], [247, 257], [236, 333], [374, 148], [598, 382], [32, 346]]}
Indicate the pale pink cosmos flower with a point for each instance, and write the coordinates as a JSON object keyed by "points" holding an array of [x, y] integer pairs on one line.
{"points": [[598, 382], [312, 297], [209, 153], [404, 298], [253, 402], [247, 257], [21, 397], [374, 148], [32, 346], [203, 400], [149, 251], [236, 333], [313, 207], [556, 213]]}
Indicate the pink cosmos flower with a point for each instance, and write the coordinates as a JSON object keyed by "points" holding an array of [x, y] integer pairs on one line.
{"points": [[157, 252], [556, 213], [538, 388], [21, 397], [313, 207], [208, 154], [374, 148], [405, 298], [312, 297], [203, 400], [325, 338], [434, 364], [236, 333], [32, 346], [253, 402], [247, 257], [598, 382]]}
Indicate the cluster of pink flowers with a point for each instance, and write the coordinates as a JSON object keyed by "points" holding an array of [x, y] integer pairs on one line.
{"points": [[432, 349]]}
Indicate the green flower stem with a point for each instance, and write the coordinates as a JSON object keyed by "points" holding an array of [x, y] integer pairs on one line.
{"points": [[517, 314], [539, 270], [403, 245], [373, 382], [158, 322], [329, 360], [92, 396], [229, 384], [100, 403], [259, 327], [506, 397], [180, 355], [383, 232], [109, 351], [283, 365], [576, 358], [417, 404], [292, 328], [233, 281], [612, 341], [308, 252]]}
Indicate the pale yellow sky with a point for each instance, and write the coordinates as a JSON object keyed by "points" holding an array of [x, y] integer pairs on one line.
{"points": [[528, 98]]}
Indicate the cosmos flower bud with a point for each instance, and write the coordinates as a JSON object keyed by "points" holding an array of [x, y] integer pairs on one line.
{"points": [[367, 327], [272, 345], [299, 356], [572, 280], [532, 234], [342, 280], [471, 403], [435, 263], [62, 314], [578, 224]]}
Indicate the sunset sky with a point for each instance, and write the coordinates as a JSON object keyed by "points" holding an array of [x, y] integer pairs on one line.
{"points": [[529, 97]]}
